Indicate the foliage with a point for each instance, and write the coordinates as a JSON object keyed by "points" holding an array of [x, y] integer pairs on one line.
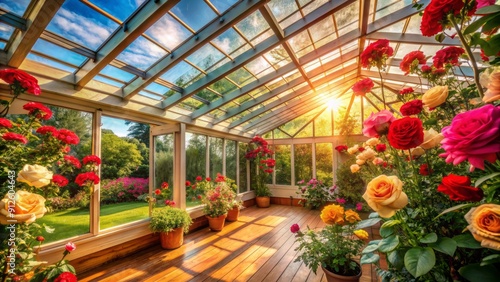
{"points": [[349, 186], [119, 157], [260, 156], [315, 193], [139, 131], [218, 198], [336, 245], [167, 218], [123, 189]]}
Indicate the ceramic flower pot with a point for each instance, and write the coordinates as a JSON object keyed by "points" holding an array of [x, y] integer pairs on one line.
{"points": [[333, 277], [173, 239], [232, 214], [216, 223], [263, 202]]}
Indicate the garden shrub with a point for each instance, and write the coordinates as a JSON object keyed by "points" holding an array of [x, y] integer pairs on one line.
{"points": [[350, 186], [123, 189]]}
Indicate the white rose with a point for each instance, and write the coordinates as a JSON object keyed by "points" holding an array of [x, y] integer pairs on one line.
{"points": [[35, 175], [372, 142], [431, 139], [353, 149]]}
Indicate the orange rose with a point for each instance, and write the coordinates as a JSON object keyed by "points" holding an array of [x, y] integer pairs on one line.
{"points": [[431, 139], [384, 194], [21, 207], [484, 224], [435, 96], [333, 214], [352, 216]]}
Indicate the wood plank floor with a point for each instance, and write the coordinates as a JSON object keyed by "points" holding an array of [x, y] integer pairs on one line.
{"points": [[258, 247]]}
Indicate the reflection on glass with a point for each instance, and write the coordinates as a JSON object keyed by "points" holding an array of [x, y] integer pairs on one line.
{"points": [[196, 148], [324, 162], [141, 53], [122, 11], [195, 13], [215, 156], [303, 161], [283, 169], [124, 172], [69, 212], [231, 159], [164, 167], [17, 7]]}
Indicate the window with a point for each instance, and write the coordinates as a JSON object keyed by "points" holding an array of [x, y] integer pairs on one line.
{"points": [[283, 164], [303, 162], [196, 148]]}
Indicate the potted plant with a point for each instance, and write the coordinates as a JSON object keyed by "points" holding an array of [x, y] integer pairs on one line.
{"points": [[335, 246], [234, 212], [171, 223], [217, 201], [259, 154], [315, 193]]}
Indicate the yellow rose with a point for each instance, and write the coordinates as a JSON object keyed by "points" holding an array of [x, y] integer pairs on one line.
{"points": [[435, 96], [372, 142], [384, 194], [493, 92], [21, 207], [415, 152], [352, 216], [355, 168], [431, 139], [333, 214], [484, 224], [361, 234], [35, 175], [360, 162], [367, 154], [353, 149]]}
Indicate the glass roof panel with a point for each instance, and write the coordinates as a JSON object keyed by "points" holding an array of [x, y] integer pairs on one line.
{"points": [[282, 8], [141, 54], [387, 7], [108, 81], [228, 106], [243, 99], [278, 57], [253, 25], [310, 5], [276, 83], [301, 43], [263, 36], [195, 13], [57, 52], [229, 41], [81, 24], [191, 104], [259, 66], [223, 86], [208, 95], [122, 11], [205, 57], [2, 45], [6, 31], [404, 49], [17, 7], [157, 88], [323, 32], [414, 25], [168, 25], [397, 27], [117, 73], [290, 19], [180, 74], [241, 76], [149, 95], [347, 19], [223, 5], [50, 63]]}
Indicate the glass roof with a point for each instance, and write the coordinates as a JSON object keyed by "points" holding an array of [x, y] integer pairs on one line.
{"points": [[248, 66]]}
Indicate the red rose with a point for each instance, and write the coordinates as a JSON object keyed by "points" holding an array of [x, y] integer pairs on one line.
{"points": [[164, 185], [40, 238], [361, 149], [376, 54], [407, 90], [406, 133], [459, 189], [157, 191], [411, 108], [70, 247], [426, 69], [87, 178], [11, 136], [424, 170], [363, 86], [188, 183], [26, 81], [295, 228], [59, 180], [66, 277], [38, 110], [199, 178], [92, 159], [448, 55], [5, 123], [208, 179], [341, 148], [381, 147], [72, 161], [408, 61], [47, 129], [435, 13], [68, 136]]}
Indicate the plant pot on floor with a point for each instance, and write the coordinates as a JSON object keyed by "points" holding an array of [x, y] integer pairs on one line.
{"points": [[263, 202], [232, 214], [216, 223], [334, 277], [173, 239]]}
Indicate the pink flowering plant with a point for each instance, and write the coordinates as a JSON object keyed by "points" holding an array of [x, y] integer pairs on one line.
{"points": [[219, 198], [314, 193]]}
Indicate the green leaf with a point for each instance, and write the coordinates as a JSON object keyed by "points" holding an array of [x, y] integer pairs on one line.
{"points": [[488, 10], [367, 223], [369, 249], [390, 223], [467, 241], [431, 121], [429, 238], [477, 273], [477, 24], [486, 177], [491, 24], [373, 215], [369, 258], [490, 259], [396, 258], [439, 37], [454, 208], [419, 261], [445, 245], [388, 244], [386, 231]]}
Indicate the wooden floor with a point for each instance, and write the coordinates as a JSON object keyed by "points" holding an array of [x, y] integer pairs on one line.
{"points": [[258, 247]]}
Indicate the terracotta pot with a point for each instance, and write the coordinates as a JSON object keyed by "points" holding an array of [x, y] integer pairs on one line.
{"points": [[333, 277], [232, 214], [263, 202], [216, 223], [173, 239]]}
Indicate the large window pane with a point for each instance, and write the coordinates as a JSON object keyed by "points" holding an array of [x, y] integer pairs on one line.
{"points": [[231, 159], [69, 212], [164, 166], [303, 162], [124, 172], [283, 164], [243, 167], [324, 162], [216, 145], [196, 148]]}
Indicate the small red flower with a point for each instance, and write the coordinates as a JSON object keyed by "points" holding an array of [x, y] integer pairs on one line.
{"points": [[70, 247], [72, 161], [295, 228], [87, 178], [424, 170], [408, 62], [407, 90], [376, 54], [38, 110], [208, 179], [458, 188], [26, 81], [44, 130], [164, 185], [68, 136], [5, 123], [381, 147], [361, 149], [40, 238], [363, 86], [341, 148], [157, 191], [448, 55], [188, 183], [414, 107], [11, 136], [66, 277], [60, 180], [199, 178], [92, 159], [426, 69]]}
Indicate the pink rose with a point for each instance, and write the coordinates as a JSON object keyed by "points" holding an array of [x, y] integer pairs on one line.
{"points": [[70, 247], [484, 3], [473, 136], [295, 228], [378, 124]]}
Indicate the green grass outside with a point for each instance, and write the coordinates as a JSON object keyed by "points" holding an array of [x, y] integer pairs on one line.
{"points": [[75, 221]]}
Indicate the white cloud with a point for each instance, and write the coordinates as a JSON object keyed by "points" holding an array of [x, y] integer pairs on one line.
{"points": [[168, 32]]}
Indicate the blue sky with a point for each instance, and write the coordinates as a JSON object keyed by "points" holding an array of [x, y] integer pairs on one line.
{"points": [[117, 125]]}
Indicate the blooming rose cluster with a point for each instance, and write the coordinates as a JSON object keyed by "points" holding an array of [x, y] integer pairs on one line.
{"points": [[376, 54], [362, 87]]}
